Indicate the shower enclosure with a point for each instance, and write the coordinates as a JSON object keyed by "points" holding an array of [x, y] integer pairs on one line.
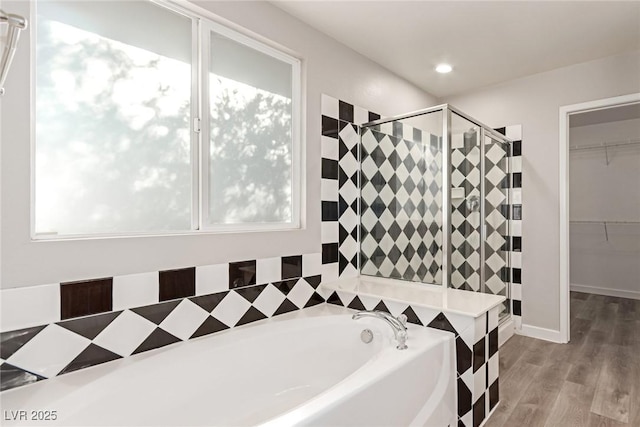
{"points": [[434, 201]]}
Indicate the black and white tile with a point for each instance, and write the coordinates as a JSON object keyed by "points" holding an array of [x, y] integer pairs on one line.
{"points": [[340, 187], [401, 228], [465, 221], [146, 311], [514, 212]]}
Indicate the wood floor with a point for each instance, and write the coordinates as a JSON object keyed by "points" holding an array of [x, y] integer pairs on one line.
{"points": [[592, 381]]}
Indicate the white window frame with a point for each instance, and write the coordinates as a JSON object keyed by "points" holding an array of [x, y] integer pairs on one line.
{"points": [[206, 27], [203, 22]]}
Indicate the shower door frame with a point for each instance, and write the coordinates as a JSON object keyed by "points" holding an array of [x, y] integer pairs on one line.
{"points": [[485, 130]]}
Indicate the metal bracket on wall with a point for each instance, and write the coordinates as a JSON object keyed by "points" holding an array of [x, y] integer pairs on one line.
{"points": [[16, 24]]}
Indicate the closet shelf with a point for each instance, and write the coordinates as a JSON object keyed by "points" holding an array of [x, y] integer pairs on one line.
{"points": [[604, 223], [606, 146]]}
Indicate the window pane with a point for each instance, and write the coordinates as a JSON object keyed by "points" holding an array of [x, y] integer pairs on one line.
{"points": [[250, 173], [113, 151]]}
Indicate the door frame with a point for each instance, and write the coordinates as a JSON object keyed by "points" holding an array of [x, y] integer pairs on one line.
{"points": [[563, 146]]}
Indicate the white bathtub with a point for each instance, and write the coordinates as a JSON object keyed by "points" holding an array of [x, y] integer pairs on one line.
{"points": [[304, 368]]}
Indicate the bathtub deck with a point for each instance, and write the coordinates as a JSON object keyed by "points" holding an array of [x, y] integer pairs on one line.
{"points": [[456, 301]]}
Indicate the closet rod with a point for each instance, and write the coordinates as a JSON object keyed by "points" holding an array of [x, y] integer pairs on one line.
{"points": [[604, 223], [608, 222], [605, 145]]}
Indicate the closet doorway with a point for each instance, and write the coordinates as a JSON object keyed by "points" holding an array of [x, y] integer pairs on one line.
{"points": [[600, 206]]}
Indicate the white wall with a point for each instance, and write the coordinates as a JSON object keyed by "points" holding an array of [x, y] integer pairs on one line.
{"points": [[534, 102], [605, 192], [329, 67]]}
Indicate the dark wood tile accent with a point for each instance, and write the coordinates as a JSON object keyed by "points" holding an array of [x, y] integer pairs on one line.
{"points": [[86, 297], [176, 284], [242, 274], [478, 354], [345, 111], [291, 267], [330, 127], [329, 253]]}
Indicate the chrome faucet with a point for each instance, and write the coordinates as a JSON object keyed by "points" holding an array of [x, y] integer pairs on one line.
{"points": [[397, 324]]}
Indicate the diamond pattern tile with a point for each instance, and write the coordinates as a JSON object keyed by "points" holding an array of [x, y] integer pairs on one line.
{"points": [[231, 309], [12, 341], [92, 355], [49, 351], [269, 300], [209, 326], [301, 293], [90, 327], [158, 338], [396, 174], [183, 321], [125, 333]]}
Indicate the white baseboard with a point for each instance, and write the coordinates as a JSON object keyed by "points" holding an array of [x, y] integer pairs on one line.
{"points": [[505, 331], [541, 333], [621, 293]]}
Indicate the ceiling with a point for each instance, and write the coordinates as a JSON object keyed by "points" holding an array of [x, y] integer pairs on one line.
{"points": [[486, 42]]}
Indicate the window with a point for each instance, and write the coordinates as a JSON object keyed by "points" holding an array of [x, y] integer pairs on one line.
{"points": [[132, 137]]}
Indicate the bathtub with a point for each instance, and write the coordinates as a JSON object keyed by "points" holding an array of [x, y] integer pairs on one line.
{"points": [[303, 368]]}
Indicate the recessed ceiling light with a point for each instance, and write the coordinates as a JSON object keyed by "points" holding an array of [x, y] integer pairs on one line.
{"points": [[444, 68]]}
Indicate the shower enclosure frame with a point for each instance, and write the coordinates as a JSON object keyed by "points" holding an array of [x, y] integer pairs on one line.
{"points": [[484, 130]]}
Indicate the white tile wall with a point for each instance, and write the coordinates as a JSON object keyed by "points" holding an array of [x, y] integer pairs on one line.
{"points": [[212, 278], [135, 290], [311, 264], [329, 106], [32, 306], [268, 270]]}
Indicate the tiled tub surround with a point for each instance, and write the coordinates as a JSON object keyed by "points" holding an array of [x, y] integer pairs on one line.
{"points": [[471, 316], [347, 375], [55, 329]]}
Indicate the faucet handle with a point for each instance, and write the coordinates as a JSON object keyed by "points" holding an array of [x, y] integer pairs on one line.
{"points": [[402, 319]]}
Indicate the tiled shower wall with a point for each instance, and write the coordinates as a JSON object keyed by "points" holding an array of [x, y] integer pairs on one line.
{"points": [[501, 212], [514, 133], [340, 186], [401, 203], [388, 238]]}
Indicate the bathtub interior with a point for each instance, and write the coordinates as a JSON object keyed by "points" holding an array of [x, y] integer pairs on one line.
{"points": [[241, 377]]}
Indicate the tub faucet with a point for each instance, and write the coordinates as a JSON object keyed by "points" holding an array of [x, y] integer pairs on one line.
{"points": [[397, 324]]}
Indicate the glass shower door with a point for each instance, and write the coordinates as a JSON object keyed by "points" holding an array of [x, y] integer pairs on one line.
{"points": [[465, 268], [496, 223], [401, 199]]}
